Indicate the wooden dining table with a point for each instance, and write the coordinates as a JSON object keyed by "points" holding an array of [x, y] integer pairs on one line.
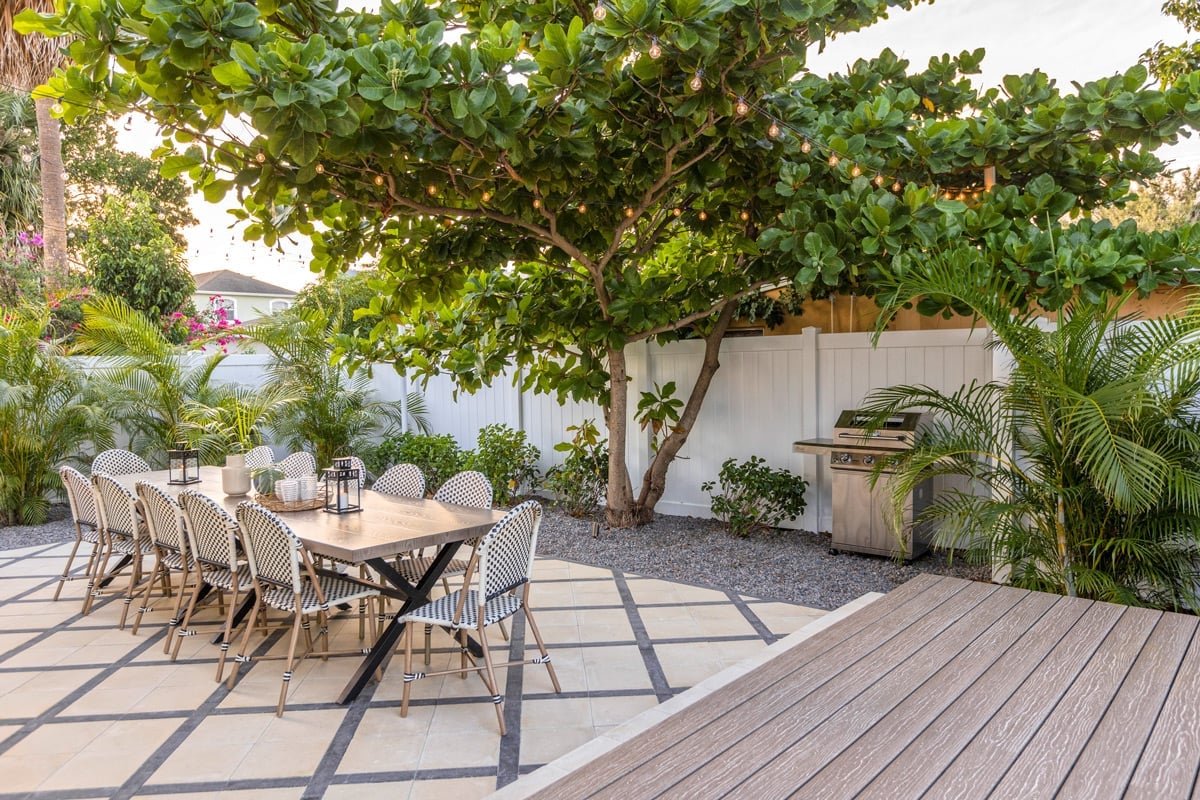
{"points": [[385, 527]]}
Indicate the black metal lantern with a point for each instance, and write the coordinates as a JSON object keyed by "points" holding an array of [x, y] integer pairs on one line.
{"points": [[342, 489], [183, 464]]}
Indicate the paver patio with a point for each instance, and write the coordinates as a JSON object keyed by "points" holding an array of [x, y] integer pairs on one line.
{"points": [[89, 711]]}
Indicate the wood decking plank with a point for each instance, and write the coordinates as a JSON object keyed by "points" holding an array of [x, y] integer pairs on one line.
{"points": [[1108, 759], [1172, 752], [924, 758], [871, 751], [811, 657], [990, 626], [728, 750], [979, 765]]}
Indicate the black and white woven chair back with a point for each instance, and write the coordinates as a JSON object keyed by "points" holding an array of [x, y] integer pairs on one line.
{"points": [[401, 480], [118, 506], [211, 530], [119, 462], [271, 547], [164, 517], [467, 488], [259, 457], [80, 496], [297, 465], [506, 551]]}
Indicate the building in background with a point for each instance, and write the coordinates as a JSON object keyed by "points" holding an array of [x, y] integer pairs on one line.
{"points": [[243, 297]]}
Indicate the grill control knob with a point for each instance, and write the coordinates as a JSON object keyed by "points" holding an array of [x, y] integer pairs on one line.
{"points": [[843, 458], [868, 460]]}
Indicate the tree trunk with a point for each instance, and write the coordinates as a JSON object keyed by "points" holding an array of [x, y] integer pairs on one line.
{"points": [[654, 482], [54, 208], [619, 511]]}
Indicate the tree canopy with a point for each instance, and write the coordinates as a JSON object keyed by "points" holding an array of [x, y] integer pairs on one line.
{"points": [[545, 183]]}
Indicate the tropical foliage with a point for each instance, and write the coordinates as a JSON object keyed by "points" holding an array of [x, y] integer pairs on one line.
{"points": [[507, 459], [579, 481], [48, 415], [1083, 469], [20, 191], [655, 162]]}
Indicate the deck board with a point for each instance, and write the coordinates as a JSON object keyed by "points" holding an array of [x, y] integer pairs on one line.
{"points": [[942, 689]]}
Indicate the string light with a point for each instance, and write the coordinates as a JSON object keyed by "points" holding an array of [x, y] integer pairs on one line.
{"points": [[896, 187], [379, 180], [878, 179], [703, 215], [806, 147], [677, 211], [628, 213], [655, 50], [741, 108], [260, 158], [855, 171], [485, 197], [744, 216], [599, 12], [773, 131], [581, 208], [432, 190], [537, 203], [697, 81], [833, 159], [319, 169]]}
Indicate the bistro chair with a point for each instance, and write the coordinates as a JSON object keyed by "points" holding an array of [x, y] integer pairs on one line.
{"points": [[285, 579], [213, 538], [124, 533], [401, 480], [82, 500], [119, 462], [259, 457], [467, 488], [164, 522], [502, 562], [297, 465]]}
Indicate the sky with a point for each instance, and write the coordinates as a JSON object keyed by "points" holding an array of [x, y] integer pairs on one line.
{"points": [[1069, 40]]}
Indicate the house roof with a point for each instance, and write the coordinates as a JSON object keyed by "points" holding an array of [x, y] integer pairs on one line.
{"points": [[230, 282]]}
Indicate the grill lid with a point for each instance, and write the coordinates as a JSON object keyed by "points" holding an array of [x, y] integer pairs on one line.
{"points": [[898, 432]]}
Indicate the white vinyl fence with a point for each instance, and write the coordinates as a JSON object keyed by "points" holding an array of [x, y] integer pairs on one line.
{"points": [[769, 392]]}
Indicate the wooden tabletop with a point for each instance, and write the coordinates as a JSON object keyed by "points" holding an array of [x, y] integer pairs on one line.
{"points": [[386, 526], [943, 689]]}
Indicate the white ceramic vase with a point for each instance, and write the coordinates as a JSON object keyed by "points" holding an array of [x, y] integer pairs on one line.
{"points": [[235, 478]]}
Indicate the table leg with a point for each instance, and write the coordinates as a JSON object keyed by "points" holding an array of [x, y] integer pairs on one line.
{"points": [[381, 651], [112, 573]]}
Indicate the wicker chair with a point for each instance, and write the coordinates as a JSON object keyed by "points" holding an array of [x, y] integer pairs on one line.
{"points": [[164, 521], [297, 465], [401, 480], [123, 532], [119, 462], [261, 456], [212, 536], [502, 563], [284, 579], [82, 499]]}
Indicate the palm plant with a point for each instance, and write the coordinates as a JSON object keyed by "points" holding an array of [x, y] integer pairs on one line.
{"points": [[1083, 470], [336, 411], [236, 421], [47, 414], [20, 195]]}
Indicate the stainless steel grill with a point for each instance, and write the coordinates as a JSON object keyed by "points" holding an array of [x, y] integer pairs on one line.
{"points": [[862, 521]]}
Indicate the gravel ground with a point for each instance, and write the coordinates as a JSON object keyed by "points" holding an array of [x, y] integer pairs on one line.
{"points": [[786, 565]]}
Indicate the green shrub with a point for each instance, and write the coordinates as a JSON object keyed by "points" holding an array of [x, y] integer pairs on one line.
{"points": [[581, 480], [507, 459], [439, 457], [754, 494]]}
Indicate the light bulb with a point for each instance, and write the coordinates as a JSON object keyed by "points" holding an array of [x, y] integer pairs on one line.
{"points": [[677, 211], [697, 81], [806, 146], [744, 216], [655, 50], [260, 157], [448, 222], [741, 108], [877, 180], [537, 203], [773, 130], [628, 213], [599, 12], [379, 180], [855, 171], [485, 197], [431, 189], [896, 187], [319, 169], [581, 208], [703, 215], [833, 159]]}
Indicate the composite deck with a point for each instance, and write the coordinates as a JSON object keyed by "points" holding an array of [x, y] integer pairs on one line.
{"points": [[945, 689]]}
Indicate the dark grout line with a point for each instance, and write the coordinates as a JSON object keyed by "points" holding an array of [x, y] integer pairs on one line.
{"points": [[658, 679], [759, 627], [510, 743]]}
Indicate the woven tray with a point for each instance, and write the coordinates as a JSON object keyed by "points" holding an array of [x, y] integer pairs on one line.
{"points": [[273, 503]]}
